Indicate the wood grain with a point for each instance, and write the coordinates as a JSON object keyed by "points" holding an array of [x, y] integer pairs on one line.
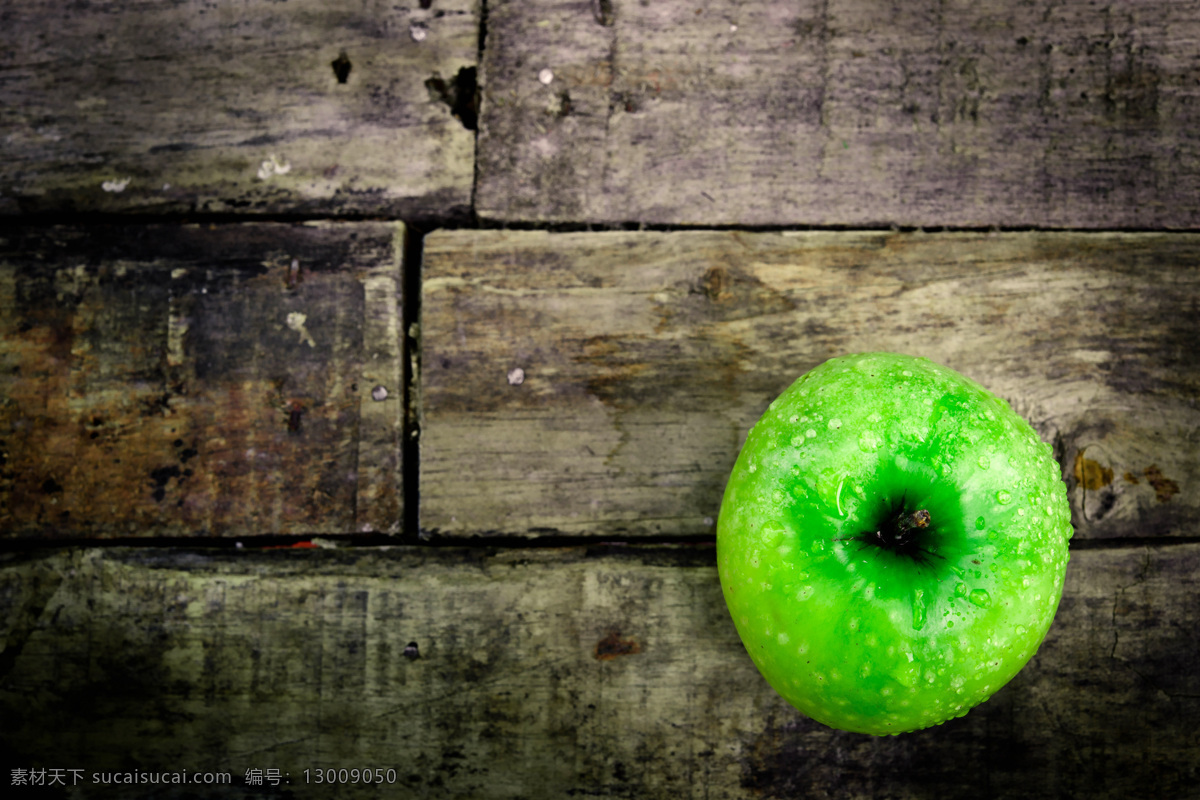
{"points": [[842, 112], [646, 357], [304, 107], [167, 380], [612, 672]]}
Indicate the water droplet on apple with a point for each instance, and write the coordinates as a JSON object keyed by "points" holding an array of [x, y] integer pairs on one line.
{"points": [[984, 462], [919, 610], [980, 523], [834, 424], [1003, 497], [810, 433], [981, 598], [805, 593]]}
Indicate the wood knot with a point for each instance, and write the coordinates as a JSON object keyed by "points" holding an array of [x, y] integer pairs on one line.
{"points": [[715, 285], [1091, 475], [615, 645], [1164, 487]]}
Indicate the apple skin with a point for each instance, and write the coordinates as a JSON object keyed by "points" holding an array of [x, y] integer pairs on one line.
{"points": [[876, 639]]}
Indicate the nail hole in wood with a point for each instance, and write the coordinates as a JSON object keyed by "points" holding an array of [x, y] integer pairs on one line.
{"points": [[341, 67], [459, 94]]}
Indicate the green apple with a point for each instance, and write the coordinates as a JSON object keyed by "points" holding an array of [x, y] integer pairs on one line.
{"points": [[892, 543]]}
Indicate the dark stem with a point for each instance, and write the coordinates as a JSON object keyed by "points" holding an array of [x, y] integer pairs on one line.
{"points": [[907, 528], [902, 532]]}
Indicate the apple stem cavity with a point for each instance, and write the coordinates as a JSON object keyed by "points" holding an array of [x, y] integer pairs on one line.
{"points": [[902, 531]]}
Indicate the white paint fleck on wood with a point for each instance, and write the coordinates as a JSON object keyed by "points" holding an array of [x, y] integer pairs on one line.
{"points": [[271, 166]]}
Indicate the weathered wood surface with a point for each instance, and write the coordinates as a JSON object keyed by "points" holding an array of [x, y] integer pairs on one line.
{"points": [[211, 380], [842, 112], [644, 358], [611, 672], [307, 106]]}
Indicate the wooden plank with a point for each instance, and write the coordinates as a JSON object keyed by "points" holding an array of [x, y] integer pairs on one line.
{"points": [[171, 380], [309, 106], [645, 357], [842, 112], [611, 672]]}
